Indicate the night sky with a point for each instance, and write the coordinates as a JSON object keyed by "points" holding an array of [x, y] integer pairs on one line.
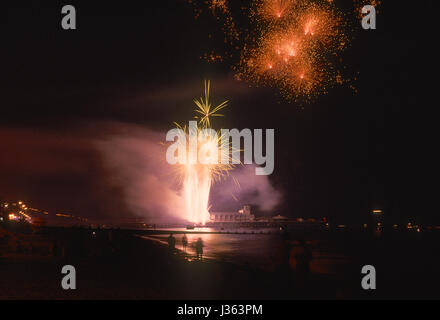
{"points": [[139, 63]]}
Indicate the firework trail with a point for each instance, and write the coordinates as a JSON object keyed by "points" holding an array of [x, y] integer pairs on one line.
{"points": [[203, 163]]}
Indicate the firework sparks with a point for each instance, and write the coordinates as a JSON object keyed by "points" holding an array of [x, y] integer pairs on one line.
{"points": [[295, 53], [293, 45], [204, 107], [274, 9], [359, 4]]}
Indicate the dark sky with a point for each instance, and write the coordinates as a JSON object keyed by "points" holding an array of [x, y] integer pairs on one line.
{"points": [[139, 63]]}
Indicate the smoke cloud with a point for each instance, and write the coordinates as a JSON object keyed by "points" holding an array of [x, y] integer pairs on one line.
{"points": [[134, 158]]}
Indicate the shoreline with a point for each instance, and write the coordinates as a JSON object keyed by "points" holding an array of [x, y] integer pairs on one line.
{"points": [[118, 264]]}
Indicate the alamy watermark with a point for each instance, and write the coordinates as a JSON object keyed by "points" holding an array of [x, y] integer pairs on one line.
{"points": [[207, 146]]}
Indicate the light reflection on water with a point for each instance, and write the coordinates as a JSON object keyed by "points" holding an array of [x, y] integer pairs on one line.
{"points": [[264, 251]]}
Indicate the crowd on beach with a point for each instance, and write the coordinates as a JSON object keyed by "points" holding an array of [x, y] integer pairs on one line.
{"points": [[129, 258], [198, 245], [63, 242], [294, 256]]}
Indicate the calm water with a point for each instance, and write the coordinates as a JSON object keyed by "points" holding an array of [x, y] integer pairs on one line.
{"points": [[258, 250]]}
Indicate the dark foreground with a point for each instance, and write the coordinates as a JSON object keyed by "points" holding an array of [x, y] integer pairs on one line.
{"points": [[120, 265]]}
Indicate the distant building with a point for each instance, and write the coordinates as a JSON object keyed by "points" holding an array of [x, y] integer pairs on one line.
{"points": [[242, 215]]}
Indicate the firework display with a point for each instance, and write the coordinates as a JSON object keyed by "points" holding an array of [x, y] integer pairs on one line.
{"points": [[296, 48], [301, 170], [202, 164], [293, 45]]}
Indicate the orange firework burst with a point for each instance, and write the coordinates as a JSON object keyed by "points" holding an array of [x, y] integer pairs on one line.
{"points": [[295, 53], [294, 45]]}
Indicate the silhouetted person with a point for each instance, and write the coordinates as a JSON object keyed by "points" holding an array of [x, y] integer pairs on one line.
{"points": [[171, 242], [300, 257], [184, 242], [199, 248]]}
